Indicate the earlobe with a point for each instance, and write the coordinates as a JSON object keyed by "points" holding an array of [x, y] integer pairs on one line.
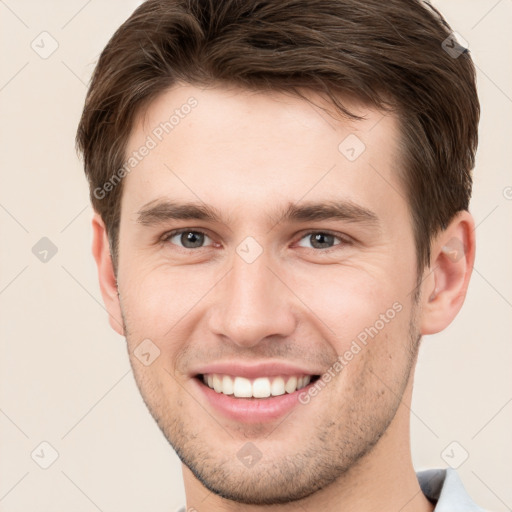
{"points": [[445, 287], [106, 275]]}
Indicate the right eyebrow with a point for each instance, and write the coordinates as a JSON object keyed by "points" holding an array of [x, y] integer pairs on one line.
{"points": [[158, 211]]}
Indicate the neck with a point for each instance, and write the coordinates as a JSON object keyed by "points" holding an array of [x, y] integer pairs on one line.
{"points": [[383, 480]]}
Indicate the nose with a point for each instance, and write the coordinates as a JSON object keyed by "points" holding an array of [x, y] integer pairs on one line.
{"points": [[252, 304]]}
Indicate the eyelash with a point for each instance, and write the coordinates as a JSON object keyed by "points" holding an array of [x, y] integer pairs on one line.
{"points": [[344, 240]]}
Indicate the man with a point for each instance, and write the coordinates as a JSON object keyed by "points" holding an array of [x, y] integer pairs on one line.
{"points": [[281, 192]]}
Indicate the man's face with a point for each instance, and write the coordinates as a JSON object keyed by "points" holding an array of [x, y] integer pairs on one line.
{"points": [[264, 296]]}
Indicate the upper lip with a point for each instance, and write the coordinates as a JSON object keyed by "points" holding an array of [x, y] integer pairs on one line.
{"points": [[253, 371]]}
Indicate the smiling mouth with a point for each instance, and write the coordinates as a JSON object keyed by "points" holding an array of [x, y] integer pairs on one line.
{"points": [[261, 387]]}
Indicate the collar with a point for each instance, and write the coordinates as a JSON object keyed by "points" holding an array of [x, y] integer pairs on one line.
{"points": [[444, 488]]}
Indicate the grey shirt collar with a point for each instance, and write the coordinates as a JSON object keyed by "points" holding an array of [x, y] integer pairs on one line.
{"points": [[444, 488]]}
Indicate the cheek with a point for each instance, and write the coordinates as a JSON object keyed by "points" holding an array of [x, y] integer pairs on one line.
{"points": [[349, 300], [157, 298]]}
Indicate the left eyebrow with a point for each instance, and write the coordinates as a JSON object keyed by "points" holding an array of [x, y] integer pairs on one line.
{"points": [[344, 210]]}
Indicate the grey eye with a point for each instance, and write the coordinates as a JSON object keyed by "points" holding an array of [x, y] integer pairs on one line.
{"points": [[189, 239], [319, 240]]}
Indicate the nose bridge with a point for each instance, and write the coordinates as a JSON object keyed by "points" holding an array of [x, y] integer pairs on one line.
{"points": [[252, 303]]}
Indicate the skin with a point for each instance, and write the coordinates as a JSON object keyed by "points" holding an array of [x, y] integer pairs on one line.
{"points": [[250, 155]]}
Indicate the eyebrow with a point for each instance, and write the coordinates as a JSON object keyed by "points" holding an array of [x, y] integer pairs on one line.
{"points": [[162, 210]]}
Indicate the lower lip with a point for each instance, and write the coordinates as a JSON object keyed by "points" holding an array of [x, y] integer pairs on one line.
{"points": [[252, 410]]}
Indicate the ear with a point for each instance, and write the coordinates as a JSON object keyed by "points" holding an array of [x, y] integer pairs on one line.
{"points": [[106, 275], [451, 263]]}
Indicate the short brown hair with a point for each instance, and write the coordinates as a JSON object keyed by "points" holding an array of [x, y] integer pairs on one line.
{"points": [[393, 55]]}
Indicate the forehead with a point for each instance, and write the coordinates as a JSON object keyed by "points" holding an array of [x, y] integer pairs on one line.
{"points": [[233, 148]]}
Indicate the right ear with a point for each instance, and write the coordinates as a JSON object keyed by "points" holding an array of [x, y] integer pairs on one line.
{"points": [[106, 275]]}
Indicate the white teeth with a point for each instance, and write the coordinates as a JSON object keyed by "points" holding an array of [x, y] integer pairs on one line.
{"points": [[242, 388], [217, 383], [262, 387], [291, 385], [277, 387], [227, 385]]}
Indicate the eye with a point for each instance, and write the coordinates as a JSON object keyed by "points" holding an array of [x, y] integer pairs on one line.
{"points": [[321, 240], [194, 239], [187, 238]]}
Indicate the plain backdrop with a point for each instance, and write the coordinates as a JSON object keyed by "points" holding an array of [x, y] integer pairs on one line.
{"points": [[65, 376]]}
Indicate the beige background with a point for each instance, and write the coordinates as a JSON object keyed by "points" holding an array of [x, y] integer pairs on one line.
{"points": [[65, 375]]}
